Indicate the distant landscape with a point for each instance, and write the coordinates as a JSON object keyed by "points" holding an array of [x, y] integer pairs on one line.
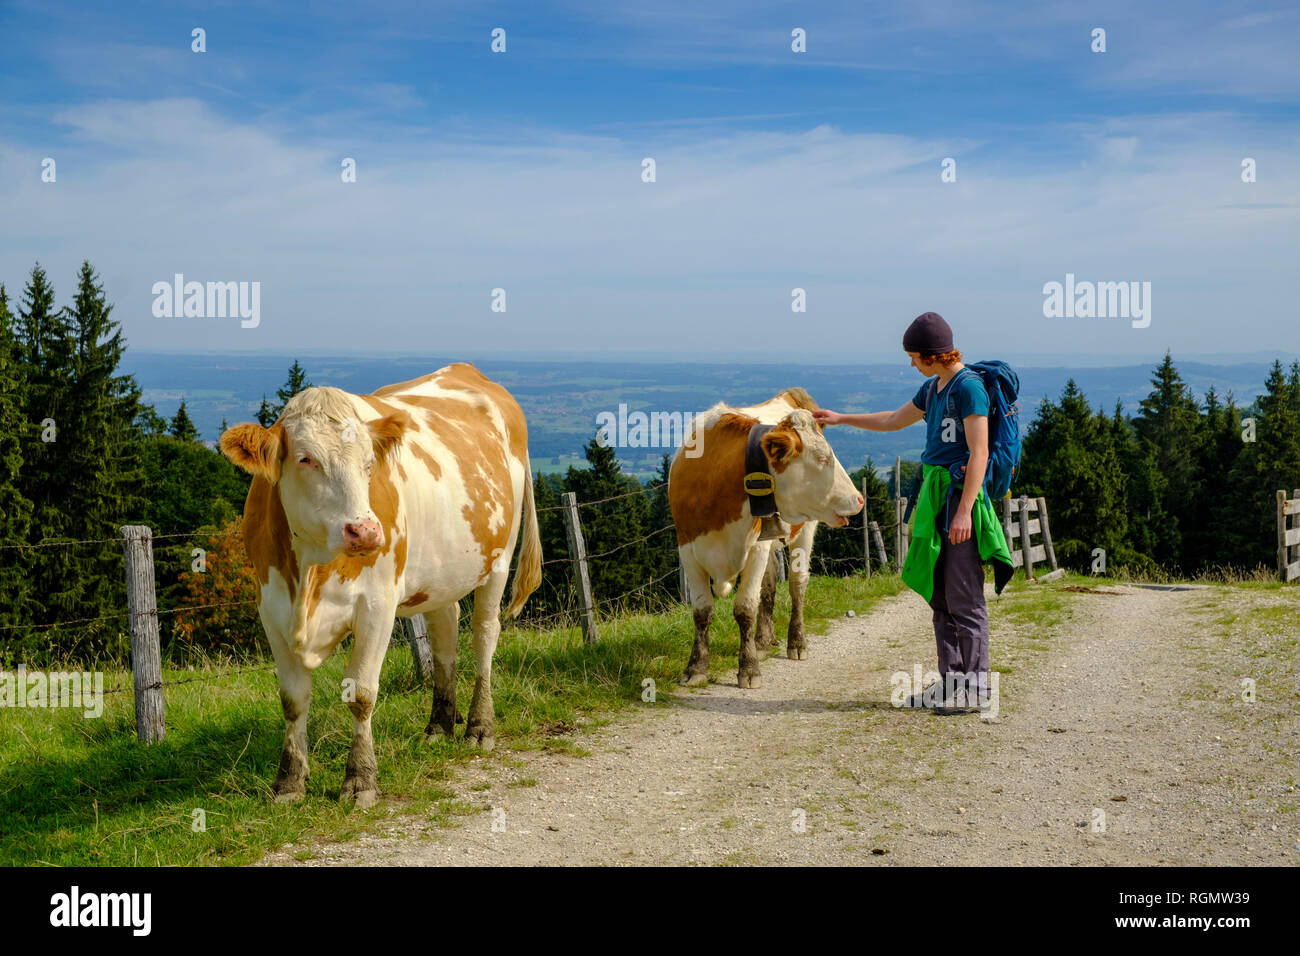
{"points": [[562, 398]]}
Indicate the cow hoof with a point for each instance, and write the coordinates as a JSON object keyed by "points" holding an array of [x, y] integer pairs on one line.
{"points": [[289, 796], [359, 793], [437, 730], [749, 681], [482, 738], [796, 653], [694, 680]]}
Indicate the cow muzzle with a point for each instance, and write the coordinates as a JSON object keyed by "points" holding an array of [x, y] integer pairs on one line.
{"points": [[840, 519], [362, 537]]}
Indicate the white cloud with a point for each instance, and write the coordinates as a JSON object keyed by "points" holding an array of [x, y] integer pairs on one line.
{"points": [[705, 258]]}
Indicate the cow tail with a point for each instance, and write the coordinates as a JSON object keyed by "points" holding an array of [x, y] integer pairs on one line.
{"points": [[528, 573]]}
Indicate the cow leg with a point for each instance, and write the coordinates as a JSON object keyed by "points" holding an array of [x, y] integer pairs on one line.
{"points": [[701, 597], [480, 728], [370, 641], [746, 613], [295, 701], [442, 630], [765, 633], [796, 648]]}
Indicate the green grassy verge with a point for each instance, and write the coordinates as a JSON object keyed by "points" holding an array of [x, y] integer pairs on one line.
{"points": [[77, 791]]}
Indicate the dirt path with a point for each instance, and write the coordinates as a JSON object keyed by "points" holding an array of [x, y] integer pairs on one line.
{"points": [[1125, 704]]}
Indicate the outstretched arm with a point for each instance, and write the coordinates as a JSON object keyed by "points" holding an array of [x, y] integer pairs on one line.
{"points": [[900, 417]]}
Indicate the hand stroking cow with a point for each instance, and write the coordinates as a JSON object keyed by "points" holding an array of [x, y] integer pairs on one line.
{"points": [[718, 534], [368, 507]]}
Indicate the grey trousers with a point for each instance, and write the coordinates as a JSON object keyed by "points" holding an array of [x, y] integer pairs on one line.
{"points": [[961, 618]]}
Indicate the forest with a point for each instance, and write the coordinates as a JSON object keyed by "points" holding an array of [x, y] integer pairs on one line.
{"points": [[1182, 486]]}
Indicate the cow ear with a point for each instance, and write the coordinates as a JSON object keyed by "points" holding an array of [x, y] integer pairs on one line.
{"points": [[255, 449], [387, 431], [781, 446]]}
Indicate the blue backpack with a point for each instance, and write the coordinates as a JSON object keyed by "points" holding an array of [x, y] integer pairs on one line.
{"points": [[1003, 386], [1004, 427]]}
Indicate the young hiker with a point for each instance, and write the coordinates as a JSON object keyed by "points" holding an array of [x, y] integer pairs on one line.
{"points": [[955, 528]]}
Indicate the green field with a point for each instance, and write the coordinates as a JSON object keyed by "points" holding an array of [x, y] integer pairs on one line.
{"points": [[76, 791]]}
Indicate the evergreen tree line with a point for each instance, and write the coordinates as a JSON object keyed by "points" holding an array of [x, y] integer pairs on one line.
{"points": [[81, 455], [1182, 485]]}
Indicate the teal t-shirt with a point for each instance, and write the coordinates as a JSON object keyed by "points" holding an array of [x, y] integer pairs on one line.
{"points": [[965, 395]]}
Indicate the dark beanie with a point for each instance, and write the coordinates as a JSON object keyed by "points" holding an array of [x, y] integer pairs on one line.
{"points": [[928, 334]]}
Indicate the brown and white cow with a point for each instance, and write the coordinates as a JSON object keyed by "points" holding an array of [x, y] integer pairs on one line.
{"points": [[367, 507], [717, 537]]}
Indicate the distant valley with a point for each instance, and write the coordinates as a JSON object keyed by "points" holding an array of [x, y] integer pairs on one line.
{"points": [[562, 399]]}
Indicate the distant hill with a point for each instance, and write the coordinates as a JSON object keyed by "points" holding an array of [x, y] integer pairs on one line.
{"points": [[562, 398]]}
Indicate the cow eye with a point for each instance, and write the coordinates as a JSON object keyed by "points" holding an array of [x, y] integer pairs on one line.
{"points": [[304, 460]]}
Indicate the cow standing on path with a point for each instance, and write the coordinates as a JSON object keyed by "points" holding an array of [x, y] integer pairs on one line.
{"points": [[718, 536], [368, 507]]}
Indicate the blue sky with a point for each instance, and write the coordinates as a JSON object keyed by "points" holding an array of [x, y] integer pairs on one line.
{"points": [[775, 170]]}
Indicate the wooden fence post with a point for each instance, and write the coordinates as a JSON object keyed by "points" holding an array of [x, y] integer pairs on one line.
{"points": [[1006, 527], [579, 552], [880, 544], [1026, 548], [866, 528], [1047, 533], [417, 635], [146, 655], [1288, 541]]}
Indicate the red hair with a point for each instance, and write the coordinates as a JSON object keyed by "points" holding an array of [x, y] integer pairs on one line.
{"points": [[946, 359]]}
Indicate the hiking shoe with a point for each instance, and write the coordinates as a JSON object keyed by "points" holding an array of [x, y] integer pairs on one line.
{"points": [[925, 698], [953, 705]]}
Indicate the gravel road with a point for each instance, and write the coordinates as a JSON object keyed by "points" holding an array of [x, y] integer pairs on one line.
{"points": [[1123, 738]]}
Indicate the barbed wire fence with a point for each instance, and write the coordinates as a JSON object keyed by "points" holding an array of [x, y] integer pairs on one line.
{"points": [[142, 616]]}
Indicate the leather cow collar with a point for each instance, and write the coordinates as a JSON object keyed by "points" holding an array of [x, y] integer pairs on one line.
{"points": [[759, 485]]}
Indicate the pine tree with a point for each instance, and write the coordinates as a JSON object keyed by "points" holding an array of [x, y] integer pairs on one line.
{"points": [[1146, 486], [1168, 426], [1277, 451], [15, 509], [1070, 458], [181, 427], [662, 548], [46, 350], [266, 414], [612, 524], [296, 382]]}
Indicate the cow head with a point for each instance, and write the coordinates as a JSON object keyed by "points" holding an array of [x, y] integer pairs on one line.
{"points": [[810, 484], [322, 460]]}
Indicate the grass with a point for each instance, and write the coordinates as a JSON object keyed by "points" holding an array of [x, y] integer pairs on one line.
{"points": [[76, 791]]}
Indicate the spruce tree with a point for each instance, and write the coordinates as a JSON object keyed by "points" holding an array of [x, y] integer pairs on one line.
{"points": [[46, 350], [181, 427], [1168, 426], [612, 524], [15, 509], [1070, 458], [1277, 451], [296, 382], [266, 414]]}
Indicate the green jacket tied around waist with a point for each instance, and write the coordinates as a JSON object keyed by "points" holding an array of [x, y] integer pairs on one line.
{"points": [[923, 553]]}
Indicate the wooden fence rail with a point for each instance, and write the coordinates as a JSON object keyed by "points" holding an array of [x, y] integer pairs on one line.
{"points": [[1019, 534], [1288, 539]]}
